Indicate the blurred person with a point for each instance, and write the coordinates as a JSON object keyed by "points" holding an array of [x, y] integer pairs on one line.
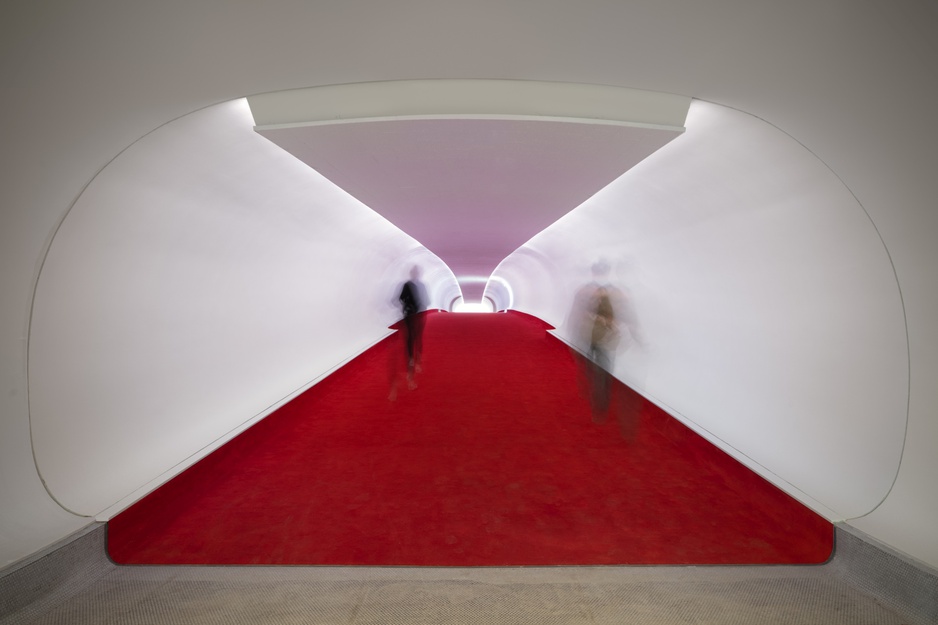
{"points": [[413, 301], [601, 323]]}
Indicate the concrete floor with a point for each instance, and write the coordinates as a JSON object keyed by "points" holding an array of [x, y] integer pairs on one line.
{"points": [[79, 586]]}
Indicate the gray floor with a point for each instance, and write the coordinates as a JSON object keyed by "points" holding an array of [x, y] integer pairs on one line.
{"points": [[78, 585]]}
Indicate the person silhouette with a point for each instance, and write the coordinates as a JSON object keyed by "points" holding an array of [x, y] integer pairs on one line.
{"points": [[413, 302], [601, 322]]}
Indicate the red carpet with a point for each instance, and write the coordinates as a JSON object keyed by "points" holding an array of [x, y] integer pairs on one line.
{"points": [[492, 460]]}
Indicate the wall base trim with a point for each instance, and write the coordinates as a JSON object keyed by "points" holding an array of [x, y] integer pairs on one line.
{"points": [[904, 584]]}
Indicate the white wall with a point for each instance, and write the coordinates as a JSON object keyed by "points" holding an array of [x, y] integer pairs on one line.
{"points": [[750, 268], [202, 276], [852, 82]]}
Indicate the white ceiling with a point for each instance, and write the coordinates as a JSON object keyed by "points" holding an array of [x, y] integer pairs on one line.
{"points": [[474, 187]]}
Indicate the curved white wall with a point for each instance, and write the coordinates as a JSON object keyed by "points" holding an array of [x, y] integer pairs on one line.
{"points": [[854, 83], [201, 277], [768, 308]]}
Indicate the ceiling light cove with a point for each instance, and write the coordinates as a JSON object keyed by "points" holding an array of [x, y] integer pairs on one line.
{"points": [[470, 168]]}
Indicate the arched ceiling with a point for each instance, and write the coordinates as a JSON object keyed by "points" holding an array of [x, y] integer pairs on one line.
{"points": [[470, 168]]}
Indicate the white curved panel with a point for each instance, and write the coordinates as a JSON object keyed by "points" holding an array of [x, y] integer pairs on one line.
{"points": [[463, 98], [200, 278], [769, 307]]}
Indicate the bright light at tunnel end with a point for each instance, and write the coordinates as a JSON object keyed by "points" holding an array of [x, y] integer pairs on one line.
{"points": [[467, 307]]}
